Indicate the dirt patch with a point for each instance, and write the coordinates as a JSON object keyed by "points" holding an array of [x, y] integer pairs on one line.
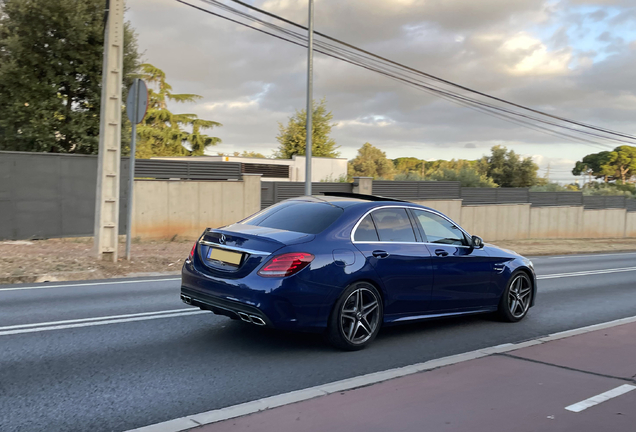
{"points": [[71, 259], [568, 246]]}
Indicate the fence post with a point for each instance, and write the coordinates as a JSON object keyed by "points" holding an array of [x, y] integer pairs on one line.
{"points": [[363, 185]]}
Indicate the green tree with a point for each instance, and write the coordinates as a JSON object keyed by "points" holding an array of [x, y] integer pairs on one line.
{"points": [[371, 162], [623, 160], [507, 169], [466, 175], [619, 164], [596, 165], [409, 165], [51, 55], [162, 133], [292, 138]]}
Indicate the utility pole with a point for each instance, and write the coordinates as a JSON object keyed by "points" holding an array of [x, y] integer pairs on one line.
{"points": [[109, 159], [310, 101]]}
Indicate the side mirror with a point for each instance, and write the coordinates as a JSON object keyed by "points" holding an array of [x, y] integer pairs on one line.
{"points": [[478, 242]]}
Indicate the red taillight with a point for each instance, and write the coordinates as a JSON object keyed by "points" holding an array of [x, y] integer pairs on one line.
{"points": [[194, 247], [286, 264]]}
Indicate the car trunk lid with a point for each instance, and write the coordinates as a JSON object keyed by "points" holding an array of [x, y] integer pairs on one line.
{"points": [[236, 250]]}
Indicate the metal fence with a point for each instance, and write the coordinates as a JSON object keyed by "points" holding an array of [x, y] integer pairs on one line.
{"points": [[47, 195], [414, 190], [273, 192], [476, 196], [186, 170]]}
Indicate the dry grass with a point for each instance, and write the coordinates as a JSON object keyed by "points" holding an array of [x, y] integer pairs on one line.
{"points": [[568, 246], [69, 259]]}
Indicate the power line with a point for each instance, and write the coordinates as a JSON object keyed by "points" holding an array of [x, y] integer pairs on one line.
{"points": [[359, 57], [429, 75]]}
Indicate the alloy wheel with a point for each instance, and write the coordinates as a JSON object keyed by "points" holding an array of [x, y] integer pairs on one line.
{"points": [[360, 316], [519, 296]]}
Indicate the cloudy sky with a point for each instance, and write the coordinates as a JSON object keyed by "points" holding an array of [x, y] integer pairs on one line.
{"points": [[574, 58]]}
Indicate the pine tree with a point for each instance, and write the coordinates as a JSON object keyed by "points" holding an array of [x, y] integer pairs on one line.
{"points": [[292, 138], [162, 133]]}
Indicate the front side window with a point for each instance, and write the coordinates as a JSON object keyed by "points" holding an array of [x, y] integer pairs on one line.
{"points": [[393, 225], [440, 230]]}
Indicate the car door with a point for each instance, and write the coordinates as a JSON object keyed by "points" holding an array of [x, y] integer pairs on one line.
{"points": [[463, 274], [387, 238]]}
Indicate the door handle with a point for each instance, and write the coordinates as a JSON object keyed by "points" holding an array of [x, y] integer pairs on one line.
{"points": [[380, 254], [440, 252]]}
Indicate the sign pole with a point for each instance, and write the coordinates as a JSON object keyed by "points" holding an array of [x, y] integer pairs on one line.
{"points": [[109, 158], [310, 102], [131, 173], [136, 107]]}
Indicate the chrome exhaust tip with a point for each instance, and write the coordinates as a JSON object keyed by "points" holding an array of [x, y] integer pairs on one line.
{"points": [[243, 316], [257, 320], [187, 300]]}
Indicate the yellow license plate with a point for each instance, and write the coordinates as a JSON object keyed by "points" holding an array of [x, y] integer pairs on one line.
{"points": [[225, 256]]}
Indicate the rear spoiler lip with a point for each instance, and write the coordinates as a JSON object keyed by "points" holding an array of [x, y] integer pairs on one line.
{"points": [[233, 248]]}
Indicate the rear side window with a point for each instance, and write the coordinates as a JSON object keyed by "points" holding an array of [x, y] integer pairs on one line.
{"points": [[366, 230], [299, 216], [393, 225]]}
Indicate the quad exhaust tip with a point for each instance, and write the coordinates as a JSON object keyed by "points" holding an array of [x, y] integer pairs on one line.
{"points": [[245, 317], [253, 319], [257, 320]]}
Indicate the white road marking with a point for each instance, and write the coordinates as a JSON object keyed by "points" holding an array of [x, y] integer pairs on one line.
{"points": [[585, 256], [20, 288], [86, 323], [213, 416], [586, 273], [595, 400], [52, 323]]}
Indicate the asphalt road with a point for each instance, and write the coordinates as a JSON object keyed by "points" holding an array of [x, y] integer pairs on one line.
{"points": [[129, 353]]}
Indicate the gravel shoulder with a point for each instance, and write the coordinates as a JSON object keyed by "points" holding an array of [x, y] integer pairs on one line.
{"points": [[72, 259]]}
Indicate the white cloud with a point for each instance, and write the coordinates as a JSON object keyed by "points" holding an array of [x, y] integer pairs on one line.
{"points": [[250, 82]]}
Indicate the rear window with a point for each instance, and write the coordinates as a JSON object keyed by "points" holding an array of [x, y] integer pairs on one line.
{"points": [[299, 216]]}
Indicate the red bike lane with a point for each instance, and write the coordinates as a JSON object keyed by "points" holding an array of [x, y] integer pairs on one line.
{"points": [[593, 375]]}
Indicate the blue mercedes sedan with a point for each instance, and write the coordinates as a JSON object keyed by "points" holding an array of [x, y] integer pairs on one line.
{"points": [[348, 264]]}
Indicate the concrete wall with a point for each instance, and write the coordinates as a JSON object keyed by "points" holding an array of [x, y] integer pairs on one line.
{"points": [[556, 222], [163, 209], [608, 223], [521, 221], [322, 169], [630, 224], [451, 208], [497, 222]]}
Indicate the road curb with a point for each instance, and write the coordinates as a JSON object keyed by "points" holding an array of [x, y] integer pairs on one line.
{"points": [[213, 416]]}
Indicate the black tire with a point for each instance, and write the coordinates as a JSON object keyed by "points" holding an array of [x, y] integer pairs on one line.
{"points": [[516, 298], [350, 326]]}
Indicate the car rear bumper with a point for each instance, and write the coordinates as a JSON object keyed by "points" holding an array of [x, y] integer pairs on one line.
{"points": [[285, 303], [220, 306]]}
